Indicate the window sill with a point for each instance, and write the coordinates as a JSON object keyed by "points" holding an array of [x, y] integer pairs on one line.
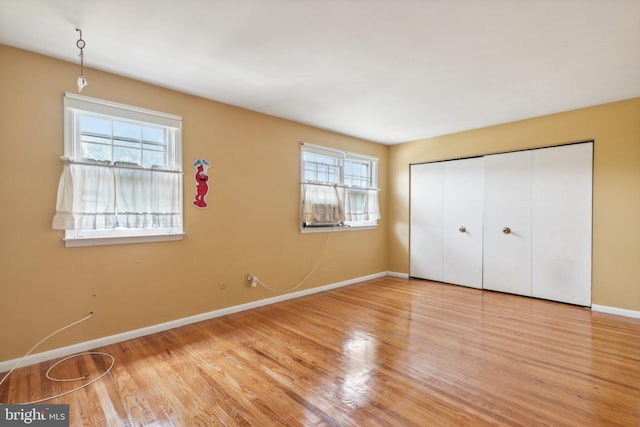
{"points": [[120, 240], [308, 230]]}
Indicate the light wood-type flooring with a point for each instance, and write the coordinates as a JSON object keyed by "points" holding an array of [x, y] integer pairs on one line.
{"points": [[388, 352]]}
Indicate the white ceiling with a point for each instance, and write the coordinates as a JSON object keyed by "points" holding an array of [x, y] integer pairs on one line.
{"points": [[388, 71]]}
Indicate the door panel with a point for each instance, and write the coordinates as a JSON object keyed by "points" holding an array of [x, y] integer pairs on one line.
{"points": [[427, 212], [463, 194], [561, 220], [507, 223]]}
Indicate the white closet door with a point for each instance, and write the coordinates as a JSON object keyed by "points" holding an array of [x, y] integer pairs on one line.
{"points": [[463, 195], [427, 212], [507, 223], [561, 221]]}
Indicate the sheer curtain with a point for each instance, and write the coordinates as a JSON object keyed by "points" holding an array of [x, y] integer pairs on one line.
{"points": [[100, 196], [334, 204], [321, 204], [361, 205]]}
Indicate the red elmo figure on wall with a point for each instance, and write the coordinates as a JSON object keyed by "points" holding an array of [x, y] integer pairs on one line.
{"points": [[202, 187]]}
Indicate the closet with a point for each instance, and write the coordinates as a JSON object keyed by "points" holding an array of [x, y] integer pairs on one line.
{"points": [[507, 223], [516, 222], [446, 221]]}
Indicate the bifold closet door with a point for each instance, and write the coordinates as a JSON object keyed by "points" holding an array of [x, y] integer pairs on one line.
{"points": [[426, 221], [507, 223], [515, 222], [561, 222], [463, 195], [446, 221]]}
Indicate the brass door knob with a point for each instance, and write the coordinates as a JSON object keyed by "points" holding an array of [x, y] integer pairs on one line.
{"points": [[462, 229], [506, 230]]}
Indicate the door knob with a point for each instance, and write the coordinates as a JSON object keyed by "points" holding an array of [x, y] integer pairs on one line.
{"points": [[462, 229], [506, 230]]}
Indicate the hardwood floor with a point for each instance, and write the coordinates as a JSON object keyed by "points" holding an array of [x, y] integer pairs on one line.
{"points": [[391, 352]]}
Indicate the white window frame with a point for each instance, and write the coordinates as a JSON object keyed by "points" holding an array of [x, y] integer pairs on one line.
{"points": [[341, 156], [74, 106]]}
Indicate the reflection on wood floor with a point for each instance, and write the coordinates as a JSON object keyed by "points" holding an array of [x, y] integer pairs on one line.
{"points": [[388, 351]]}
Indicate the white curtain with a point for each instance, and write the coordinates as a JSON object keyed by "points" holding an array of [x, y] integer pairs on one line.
{"points": [[361, 205], [332, 204], [321, 204], [99, 197]]}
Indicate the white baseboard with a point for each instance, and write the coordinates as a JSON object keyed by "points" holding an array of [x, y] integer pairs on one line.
{"points": [[616, 310], [112, 339], [400, 275]]}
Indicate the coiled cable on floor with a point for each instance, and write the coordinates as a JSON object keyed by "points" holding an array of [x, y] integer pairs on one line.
{"points": [[49, 377]]}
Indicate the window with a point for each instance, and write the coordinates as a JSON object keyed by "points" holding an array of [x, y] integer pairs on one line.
{"points": [[338, 189], [122, 174]]}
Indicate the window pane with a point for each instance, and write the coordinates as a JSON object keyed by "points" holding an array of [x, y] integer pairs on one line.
{"points": [[130, 155], [127, 130], [310, 173], [96, 152], [321, 168], [356, 173], [323, 173], [125, 144], [95, 125], [154, 135], [154, 158]]}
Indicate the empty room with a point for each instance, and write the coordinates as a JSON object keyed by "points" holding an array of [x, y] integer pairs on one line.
{"points": [[296, 213]]}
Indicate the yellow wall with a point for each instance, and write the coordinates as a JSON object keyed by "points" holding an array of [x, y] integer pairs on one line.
{"points": [[614, 127], [251, 224]]}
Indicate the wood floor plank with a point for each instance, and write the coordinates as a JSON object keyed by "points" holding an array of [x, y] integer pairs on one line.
{"points": [[386, 352]]}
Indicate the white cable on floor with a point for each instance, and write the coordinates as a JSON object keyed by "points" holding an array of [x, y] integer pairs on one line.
{"points": [[59, 362], [98, 353], [313, 269]]}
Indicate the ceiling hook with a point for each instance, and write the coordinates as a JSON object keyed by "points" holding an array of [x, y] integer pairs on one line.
{"points": [[80, 43]]}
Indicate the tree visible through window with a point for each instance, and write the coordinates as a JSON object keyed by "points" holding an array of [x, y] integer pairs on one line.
{"points": [[104, 138]]}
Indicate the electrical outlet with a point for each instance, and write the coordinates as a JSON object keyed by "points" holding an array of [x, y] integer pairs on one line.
{"points": [[252, 280]]}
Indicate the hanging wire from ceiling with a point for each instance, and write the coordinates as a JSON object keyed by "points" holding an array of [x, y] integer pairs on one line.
{"points": [[82, 80]]}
